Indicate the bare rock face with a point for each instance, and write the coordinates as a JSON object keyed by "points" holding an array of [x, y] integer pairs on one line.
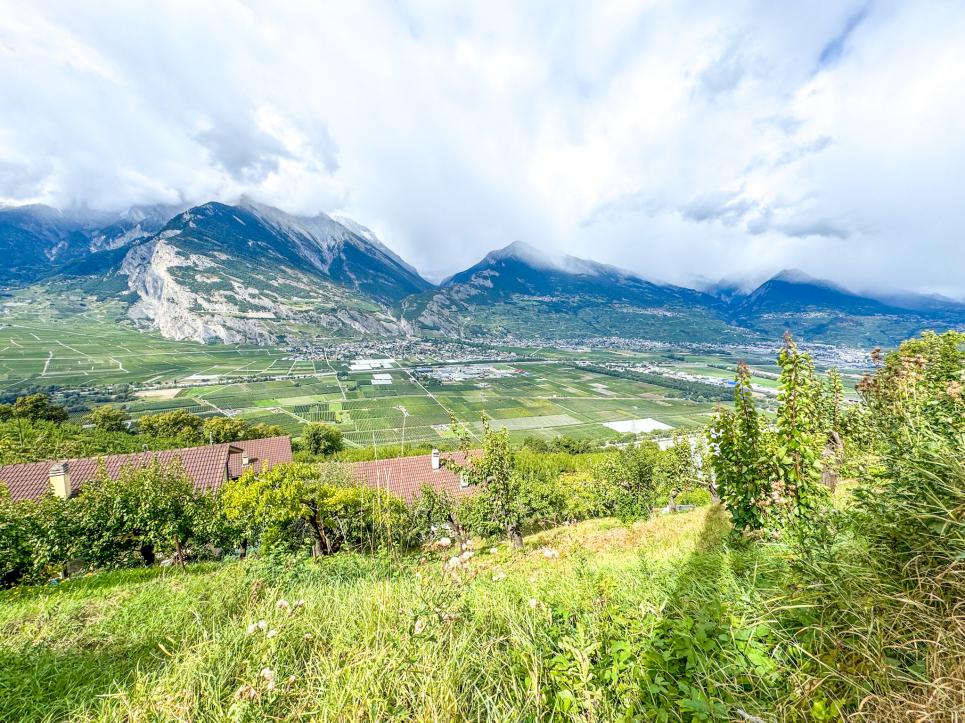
{"points": [[174, 310], [240, 275]]}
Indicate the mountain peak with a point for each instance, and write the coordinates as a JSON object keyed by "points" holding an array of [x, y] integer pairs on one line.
{"points": [[520, 251], [796, 276], [535, 258]]}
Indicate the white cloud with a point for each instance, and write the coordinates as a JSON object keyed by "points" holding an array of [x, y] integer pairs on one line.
{"points": [[677, 139]]}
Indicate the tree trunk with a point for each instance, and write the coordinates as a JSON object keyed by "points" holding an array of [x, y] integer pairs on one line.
{"points": [[321, 544], [147, 552], [714, 493], [178, 552], [317, 550], [243, 550], [458, 529], [831, 457], [672, 502], [515, 536]]}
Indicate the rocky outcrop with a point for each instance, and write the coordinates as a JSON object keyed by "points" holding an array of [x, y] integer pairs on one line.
{"points": [[175, 311], [256, 310]]}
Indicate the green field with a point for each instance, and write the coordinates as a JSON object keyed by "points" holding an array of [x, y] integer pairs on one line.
{"points": [[542, 399], [73, 342]]}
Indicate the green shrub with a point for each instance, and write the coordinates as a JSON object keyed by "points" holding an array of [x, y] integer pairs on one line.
{"points": [[17, 531], [631, 476], [699, 497], [322, 439], [321, 507], [108, 419], [177, 424], [38, 408]]}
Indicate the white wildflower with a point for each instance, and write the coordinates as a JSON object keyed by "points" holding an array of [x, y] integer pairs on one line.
{"points": [[262, 624], [499, 575], [443, 542], [271, 633], [283, 604], [533, 603], [246, 692]]}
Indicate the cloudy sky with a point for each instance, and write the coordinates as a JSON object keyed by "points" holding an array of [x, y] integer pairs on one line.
{"points": [[679, 139]]}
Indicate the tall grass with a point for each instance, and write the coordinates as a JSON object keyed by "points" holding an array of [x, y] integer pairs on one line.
{"points": [[641, 621], [873, 612], [669, 619]]}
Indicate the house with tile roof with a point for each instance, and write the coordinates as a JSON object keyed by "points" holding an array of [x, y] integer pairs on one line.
{"points": [[208, 467], [405, 476]]}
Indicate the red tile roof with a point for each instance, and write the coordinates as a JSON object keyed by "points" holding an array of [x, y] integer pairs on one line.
{"points": [[405, 476], [207, 466], [263, 454]]}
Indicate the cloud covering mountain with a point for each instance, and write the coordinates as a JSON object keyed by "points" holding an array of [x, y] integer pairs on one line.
{"points": [[674, 139]]}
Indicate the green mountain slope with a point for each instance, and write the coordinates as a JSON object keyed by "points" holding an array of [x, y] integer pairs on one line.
{"points": [[517, 290]]}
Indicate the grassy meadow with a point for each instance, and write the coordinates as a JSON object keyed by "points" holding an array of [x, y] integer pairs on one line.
{"points": [[670, 619], [608, 628]]}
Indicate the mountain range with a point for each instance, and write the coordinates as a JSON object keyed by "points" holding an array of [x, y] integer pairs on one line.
{"points": [[251, 273]]}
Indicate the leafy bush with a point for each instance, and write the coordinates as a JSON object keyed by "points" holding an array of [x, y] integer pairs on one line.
{"points": [[146, 512], [16, 533], [699, 497], [431, 512], [799, 437], [766, 476], [914, 509], [108, 419], [632, 480], [321, 507], [177, 424], [322, 439], [37, 408], [560, 443]]}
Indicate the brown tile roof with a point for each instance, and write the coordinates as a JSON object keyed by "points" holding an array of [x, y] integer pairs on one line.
{"points": [[263, 454], [405, 476], [207, 466]]}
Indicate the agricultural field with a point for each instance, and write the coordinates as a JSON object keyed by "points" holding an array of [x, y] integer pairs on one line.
{"points": [[400, 405], [72, 342]]}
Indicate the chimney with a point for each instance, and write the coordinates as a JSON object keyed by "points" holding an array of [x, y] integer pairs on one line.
{"points": [[60, 480], [435, 459]]}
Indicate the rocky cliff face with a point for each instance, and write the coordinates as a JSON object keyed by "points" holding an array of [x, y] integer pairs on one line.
{"points": [[250, 275], [173, 309]]}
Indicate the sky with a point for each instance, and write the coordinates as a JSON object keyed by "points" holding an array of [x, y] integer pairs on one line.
{"points": [[684, 140]]}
